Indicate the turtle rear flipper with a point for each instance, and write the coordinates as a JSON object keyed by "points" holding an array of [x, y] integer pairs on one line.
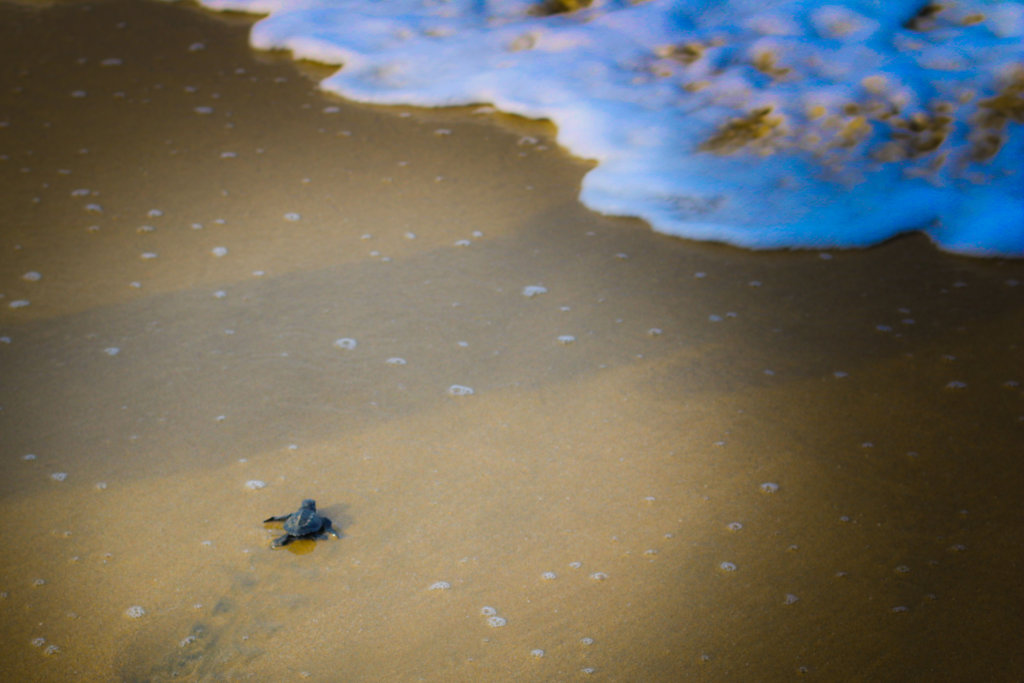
{"points": [[283, 540]]}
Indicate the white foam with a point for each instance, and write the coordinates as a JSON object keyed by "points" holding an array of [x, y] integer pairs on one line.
{"points": [[765, 124]]}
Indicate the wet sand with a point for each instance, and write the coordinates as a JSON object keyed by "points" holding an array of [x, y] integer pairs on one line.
{"points": [[680, 461]]}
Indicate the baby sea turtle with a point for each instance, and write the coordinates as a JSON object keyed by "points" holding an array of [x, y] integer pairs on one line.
{"points": [[303, 523]]}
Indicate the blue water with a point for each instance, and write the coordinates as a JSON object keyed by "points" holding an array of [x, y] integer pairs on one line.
{"points": [[768, 124]]}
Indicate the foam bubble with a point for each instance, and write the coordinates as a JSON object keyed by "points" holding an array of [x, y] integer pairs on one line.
{"points": [[537, 652], [255, 484], [496, 621], [769, 487], [531, 291], [488, 611], [59, 476], [347, 343], [135, 611], [292, 217], [219, 251], [727, 567], [549, 576], [395, 361], [32, 276], [460, 390], [439, 586]]}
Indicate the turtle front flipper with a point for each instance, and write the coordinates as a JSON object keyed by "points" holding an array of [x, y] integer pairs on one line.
{"points": [[328, 528], [283, 540], [281, 518]]}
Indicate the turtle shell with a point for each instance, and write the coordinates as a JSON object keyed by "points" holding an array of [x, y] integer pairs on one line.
{"points": [[304, 521]]}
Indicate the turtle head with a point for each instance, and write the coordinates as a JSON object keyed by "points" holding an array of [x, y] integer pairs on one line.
{"points": [[308, 504]]}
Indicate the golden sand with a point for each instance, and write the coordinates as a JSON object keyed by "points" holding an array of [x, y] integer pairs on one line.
{"points": [[205, 226]]}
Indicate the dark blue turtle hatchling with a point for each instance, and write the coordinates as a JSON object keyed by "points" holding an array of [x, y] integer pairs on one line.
{"points": [[303, 523]]}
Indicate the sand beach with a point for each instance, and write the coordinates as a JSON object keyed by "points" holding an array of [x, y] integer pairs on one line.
{"points": [[557, 446]]}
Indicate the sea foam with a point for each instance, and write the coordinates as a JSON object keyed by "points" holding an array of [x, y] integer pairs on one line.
{"points": [[765, 124]]}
